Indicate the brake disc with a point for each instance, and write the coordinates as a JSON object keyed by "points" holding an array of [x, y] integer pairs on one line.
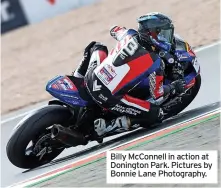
{"points": [[41, 147]]}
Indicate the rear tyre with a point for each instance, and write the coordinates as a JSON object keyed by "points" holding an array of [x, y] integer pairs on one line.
{"points": [[33, 128]]}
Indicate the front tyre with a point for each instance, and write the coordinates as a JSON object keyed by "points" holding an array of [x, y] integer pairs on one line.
{"points": [[185, 100], [30, 145]]}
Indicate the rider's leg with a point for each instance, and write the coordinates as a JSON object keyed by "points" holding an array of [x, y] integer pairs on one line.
{"points": [[118, 125], [139, 111], [132, 113], [94, 54]]}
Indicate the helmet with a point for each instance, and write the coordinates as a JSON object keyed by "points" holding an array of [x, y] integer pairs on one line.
{"points": [[156, 28]]}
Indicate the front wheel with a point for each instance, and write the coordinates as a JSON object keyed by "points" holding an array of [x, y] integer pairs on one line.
{"points": [[184, 100], [31, 145]]}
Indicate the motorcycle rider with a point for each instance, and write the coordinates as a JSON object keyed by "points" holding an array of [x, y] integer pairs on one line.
{"points": [[155, 35]]}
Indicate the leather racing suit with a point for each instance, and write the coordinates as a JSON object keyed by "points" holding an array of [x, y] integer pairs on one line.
{"points": [[111, 77]]}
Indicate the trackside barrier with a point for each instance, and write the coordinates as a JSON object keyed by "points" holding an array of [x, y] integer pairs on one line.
{"points": [[17, 13]]}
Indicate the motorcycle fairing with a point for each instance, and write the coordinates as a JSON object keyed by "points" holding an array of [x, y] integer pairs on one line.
{"points": [[183, 56], [62, 88], [189, 79], [188, 56]]}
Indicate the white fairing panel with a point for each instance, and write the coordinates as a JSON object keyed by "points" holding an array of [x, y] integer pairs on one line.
{"points": [[196, 65], [110, 75]]}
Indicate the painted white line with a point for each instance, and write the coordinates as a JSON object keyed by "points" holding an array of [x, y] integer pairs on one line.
{"points": [[199, 116], [17, 116], [207, 46], [37, 179], [25, 113]]}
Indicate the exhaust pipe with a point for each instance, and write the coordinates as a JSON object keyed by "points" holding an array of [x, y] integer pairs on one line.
{"points": [[67, 136]]}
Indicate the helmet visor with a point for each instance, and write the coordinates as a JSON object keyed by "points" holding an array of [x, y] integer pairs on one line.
{"points": [[165, 35], [163, 29]]}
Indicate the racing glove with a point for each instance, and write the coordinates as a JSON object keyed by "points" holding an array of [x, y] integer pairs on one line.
{"points": [[117, 32], [177, 87]]}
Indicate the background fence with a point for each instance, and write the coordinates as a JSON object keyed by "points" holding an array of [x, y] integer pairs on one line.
{"points": [[17, 13]]}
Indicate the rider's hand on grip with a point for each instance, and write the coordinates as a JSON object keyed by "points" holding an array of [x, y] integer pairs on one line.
{"points": [[178, 87]]}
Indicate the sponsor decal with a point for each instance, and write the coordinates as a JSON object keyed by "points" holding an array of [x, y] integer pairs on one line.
{"points": [[107, 74], [6, 15], [70, 96], [69, 84], [181, 56], [196, 64], [12, 15], [62, 85], [65, 84], [103, 98], [54, 86], [123, 109], [96, 87], [39, 10]]}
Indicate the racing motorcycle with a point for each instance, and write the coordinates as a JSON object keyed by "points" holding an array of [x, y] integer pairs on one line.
{"points": [[43, 134]]}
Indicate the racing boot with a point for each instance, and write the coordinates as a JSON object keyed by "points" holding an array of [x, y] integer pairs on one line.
{"points": [[118, 125], [155, 116], [160, 116]]}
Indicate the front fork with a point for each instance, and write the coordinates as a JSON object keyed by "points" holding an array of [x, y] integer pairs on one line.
{"points": [[176, 100]]}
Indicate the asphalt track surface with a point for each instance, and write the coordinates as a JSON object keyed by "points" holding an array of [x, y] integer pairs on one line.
{"points": [[193, 138], [209, 93]]}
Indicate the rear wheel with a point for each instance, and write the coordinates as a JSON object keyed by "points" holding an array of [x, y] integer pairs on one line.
{"points": [[31, 145]]}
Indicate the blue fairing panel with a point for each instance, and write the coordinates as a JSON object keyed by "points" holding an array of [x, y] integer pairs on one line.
{"points": [[184, 56], [62, 88], [188, 78]]}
